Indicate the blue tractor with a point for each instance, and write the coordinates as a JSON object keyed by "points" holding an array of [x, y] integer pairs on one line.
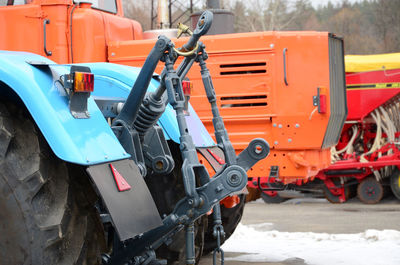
{"points": [[99, 164]]}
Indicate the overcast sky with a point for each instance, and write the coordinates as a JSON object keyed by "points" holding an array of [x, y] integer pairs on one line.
{"points": [[317, 3]]}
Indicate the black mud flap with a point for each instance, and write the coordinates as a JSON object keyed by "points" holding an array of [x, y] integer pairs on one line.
{"points": [[132, 210]]}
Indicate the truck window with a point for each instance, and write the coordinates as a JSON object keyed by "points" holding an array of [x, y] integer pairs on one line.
{"points": [[14, 2], [105, 5]]}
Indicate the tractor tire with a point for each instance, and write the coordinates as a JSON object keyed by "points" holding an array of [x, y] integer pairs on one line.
{"points": [[395, 183], [43, 219], [166, 192], [273, 198], [370, 191], [230, 219]]}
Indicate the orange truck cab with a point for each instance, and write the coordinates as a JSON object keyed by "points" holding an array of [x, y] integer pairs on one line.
{"points": [[285, 87], [64, 30]]}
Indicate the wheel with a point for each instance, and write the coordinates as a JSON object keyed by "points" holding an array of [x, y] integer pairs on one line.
{"points": [[370, 191], [337, 195], [230, 219], [166, 192], [44, 217], [271, 197], [395, 183], [253, 195]]}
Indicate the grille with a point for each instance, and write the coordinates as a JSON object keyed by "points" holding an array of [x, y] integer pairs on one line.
{"points": [[338, 100], [244, 101], [243, 68]]}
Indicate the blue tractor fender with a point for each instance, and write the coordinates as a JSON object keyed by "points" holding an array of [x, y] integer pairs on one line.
{"points": [[80, 141]]}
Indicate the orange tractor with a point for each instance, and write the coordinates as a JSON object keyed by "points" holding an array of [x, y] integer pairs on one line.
{"points": [[286, 87]]}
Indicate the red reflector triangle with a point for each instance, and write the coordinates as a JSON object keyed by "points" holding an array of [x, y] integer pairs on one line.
{"points": [[122, 184]]}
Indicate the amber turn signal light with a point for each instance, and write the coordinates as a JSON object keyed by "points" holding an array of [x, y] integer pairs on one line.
{"points": [[83, 82]]}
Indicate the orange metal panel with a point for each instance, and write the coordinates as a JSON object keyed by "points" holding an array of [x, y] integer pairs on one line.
{"points": [[247, 71]]}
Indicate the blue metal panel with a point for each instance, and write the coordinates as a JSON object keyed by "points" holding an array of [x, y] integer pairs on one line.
{"points": [[80, 141], [120, 80]]}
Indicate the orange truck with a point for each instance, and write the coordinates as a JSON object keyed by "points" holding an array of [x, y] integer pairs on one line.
{"points": [[285, 87]]}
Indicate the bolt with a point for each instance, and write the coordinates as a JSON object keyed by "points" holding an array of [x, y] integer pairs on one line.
{"points": [[258, 149], [87, 159], [219, 188], [233, 179], [159, 165], [190, 201], [271, 45], [274, 125], [289, 140], [183, 146], [106, 156], [297, 125], [113, 54], [276, 142], [124, 153], [280, 125]]}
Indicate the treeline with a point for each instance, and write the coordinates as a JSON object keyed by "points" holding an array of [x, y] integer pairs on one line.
{"points": [[369, 26]]}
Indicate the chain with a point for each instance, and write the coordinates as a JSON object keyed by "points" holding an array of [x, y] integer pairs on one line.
{"points": [[218, 232]]}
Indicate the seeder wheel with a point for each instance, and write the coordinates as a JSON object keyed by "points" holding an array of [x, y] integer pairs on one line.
{"points": [[336, 192], [370, 191], [271, 197], [395, 183]]}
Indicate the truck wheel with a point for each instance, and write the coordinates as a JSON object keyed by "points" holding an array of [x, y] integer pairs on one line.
{"points": [[166, 192], [271, 197], [395, 183], [41, 220], [230, 219], [370, 191]]}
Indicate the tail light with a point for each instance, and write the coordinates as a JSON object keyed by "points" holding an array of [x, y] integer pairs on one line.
{"points": [[78, 84], [187, 87], [83, 82], [322, 100]]}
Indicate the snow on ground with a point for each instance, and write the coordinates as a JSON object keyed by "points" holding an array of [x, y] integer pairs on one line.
{"points": [[266, 245]]}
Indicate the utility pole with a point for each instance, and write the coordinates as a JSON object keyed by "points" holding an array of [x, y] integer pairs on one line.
{"points": [[167, 13]]}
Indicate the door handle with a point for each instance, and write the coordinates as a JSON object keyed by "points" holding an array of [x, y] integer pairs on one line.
{"points": [[285, 66], [45, 22]]}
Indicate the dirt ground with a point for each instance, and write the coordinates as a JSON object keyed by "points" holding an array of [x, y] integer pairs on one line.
{"points": [[318, 215]]}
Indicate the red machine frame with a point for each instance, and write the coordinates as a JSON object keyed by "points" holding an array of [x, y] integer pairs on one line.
{"points": [[366, 92]]}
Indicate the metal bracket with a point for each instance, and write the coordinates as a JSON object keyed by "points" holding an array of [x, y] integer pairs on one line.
{"points": [[315, 100], [157, 155], [78, 102], [129, 139]]}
